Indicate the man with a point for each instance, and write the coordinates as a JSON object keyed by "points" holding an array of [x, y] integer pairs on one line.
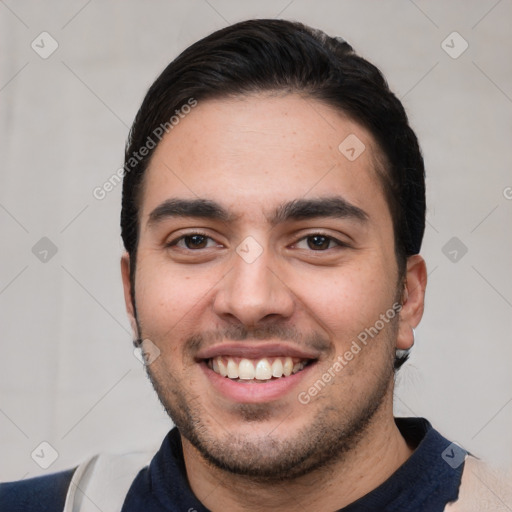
{"points": [[273, 212]]}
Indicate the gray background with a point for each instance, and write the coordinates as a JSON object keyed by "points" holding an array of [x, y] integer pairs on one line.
{"points": [[68, 375]]}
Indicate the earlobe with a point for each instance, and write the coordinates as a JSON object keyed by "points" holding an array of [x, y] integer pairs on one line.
{"points": [[127, 288], [413, 301]]}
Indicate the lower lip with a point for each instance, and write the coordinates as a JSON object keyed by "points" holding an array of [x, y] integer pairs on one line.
{"points": [[254, 392]]}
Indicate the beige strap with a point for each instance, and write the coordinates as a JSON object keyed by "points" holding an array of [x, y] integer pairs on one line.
{"points": [[482, 489], [102, 482]]}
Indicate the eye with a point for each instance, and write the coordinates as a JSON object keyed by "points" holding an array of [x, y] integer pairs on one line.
{"points": [[193, 241], [318, 242]]}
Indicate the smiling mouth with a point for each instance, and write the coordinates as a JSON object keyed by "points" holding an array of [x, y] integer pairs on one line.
{"points": [[256, 370]]}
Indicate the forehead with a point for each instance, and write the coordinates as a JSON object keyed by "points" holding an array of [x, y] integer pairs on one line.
{"points": [[253, 152]]}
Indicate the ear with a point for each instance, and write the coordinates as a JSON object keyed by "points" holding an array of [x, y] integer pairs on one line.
{"points": [[413, 301], [127, 287]]}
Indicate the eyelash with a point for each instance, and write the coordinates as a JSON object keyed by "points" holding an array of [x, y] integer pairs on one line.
{"points": [[330, 238], [338, 243], [174, 242]]}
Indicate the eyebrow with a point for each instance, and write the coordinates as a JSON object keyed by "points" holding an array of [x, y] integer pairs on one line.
{"points": [[200, 208], [335, 207], [298, 209]]}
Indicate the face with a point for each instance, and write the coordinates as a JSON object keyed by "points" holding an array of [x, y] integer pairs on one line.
{"points": [[265, 256]]}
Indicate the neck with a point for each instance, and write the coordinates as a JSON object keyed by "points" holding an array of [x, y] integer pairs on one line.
{"points": [[375, 458]]}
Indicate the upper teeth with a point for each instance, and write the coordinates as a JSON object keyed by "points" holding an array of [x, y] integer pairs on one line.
{"points": [[260, 369]]}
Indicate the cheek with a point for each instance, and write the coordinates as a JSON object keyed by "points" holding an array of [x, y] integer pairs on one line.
{"points": [[348, 299], [166, 296]]}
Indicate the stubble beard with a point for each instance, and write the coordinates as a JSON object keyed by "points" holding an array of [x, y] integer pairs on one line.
{"points": [[325, 441]]}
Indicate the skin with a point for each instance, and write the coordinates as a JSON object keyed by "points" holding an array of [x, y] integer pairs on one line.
{"points": [[251, 155]]}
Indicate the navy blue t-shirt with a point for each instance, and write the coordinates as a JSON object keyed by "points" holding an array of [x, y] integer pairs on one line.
{"points": [[426, 482]]}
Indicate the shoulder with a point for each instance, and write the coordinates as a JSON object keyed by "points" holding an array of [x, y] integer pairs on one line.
{"points": [[103, 479], [482, 489], [43, 494]]}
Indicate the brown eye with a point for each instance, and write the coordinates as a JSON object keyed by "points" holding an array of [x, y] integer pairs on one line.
{"points": [[195, 241], [318, 242], [192, 241]]}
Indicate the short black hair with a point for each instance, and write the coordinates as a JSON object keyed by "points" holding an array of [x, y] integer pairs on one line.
{"points": [[277, 55]]}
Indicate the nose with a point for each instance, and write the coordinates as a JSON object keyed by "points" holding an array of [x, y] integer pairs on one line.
{"points": [[253, 292]]}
